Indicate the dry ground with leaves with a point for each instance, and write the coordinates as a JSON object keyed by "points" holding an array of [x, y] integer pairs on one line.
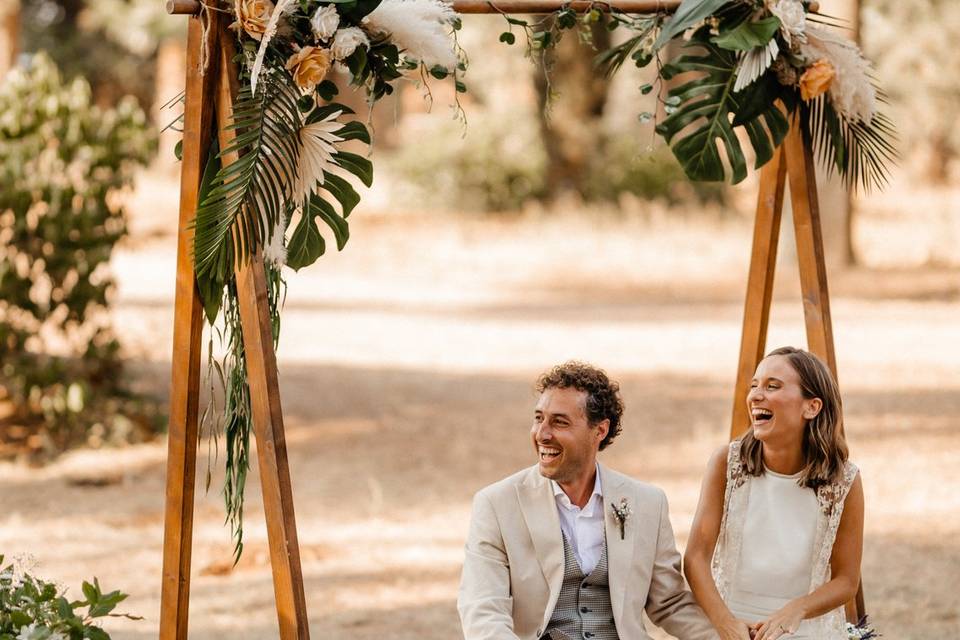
{"points": [[407, 365]]}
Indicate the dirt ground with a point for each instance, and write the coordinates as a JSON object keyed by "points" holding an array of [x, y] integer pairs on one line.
{"points": [[407, 365]]}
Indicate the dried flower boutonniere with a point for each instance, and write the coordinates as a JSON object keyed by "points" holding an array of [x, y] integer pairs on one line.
{"points": [[621, 514]]}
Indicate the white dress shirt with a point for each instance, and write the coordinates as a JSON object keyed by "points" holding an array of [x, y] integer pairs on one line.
{"points": [[583, 528]]}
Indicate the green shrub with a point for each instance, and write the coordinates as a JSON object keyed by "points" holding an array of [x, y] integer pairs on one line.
{"points": [[33, 609], [625, 167], [62, 164], [497, 166]]}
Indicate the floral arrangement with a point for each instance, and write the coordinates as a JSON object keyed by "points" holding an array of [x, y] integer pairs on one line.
{"points": [[32, 609], [755, 63], [621, 514], [747, 65], [861, 631], [286, 172]]}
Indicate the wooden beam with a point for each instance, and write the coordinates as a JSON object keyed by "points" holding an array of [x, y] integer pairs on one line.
{"points": [[813, 273], [549, 6], [763, 262], [187, 332], [191, 7], [806, 224], [264, 384]]}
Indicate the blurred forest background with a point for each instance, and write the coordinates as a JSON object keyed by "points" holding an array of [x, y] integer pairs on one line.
{"points": [[553, 224]]}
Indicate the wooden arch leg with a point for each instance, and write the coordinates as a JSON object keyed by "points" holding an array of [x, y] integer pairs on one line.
{"points": [[809, 234], [262, 377], [793, 158], [187, 332], [813, 274], [763, 262], [207, 95]]}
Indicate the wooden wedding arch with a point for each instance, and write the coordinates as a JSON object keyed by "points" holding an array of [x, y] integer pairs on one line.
{"points": [[209, 97]]}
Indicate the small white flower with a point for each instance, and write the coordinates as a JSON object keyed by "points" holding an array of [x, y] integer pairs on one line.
{"points": [[27, 632], [793, 19], [325, 22], [346, 42]]}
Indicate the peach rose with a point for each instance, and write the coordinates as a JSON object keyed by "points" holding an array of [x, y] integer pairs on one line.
{"points": [[252, 16], [309, 66], [816, 79]]}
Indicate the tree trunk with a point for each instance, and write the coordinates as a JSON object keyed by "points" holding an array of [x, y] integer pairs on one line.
{"points": [[9, 34], [572, 97], [837, 204]]}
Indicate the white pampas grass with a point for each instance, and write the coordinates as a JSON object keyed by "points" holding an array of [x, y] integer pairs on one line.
{"points": [[754, 63], [317, 142], [282, 7], [420, 28], [275, 252], [852, 93]]}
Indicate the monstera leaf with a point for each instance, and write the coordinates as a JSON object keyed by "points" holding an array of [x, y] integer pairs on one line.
{"points": [[707, 111], [306, 244]]}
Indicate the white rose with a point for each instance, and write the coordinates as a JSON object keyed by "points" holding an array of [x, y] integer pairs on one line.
{"points": [[793, 19], [346, 42], [325, 22]]}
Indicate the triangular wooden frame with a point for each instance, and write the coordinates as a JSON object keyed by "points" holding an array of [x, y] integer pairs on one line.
{"points": [[209, 96]]}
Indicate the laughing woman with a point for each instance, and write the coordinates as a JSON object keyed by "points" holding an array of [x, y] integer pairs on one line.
{"points": [[777, 538]]}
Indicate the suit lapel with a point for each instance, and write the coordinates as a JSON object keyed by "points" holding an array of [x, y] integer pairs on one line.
{"points": [[539, 509], [619, 550]]}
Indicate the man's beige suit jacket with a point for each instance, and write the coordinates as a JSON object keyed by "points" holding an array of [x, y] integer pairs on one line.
{"points": [[513, 569]]}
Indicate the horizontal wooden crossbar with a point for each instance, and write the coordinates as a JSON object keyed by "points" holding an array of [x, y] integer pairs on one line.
{"points": [[192, 7]]}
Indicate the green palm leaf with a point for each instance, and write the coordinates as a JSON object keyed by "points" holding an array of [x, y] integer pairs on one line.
{"points": [[859, 152], [688, 14], [249, 195], [702, 121]]}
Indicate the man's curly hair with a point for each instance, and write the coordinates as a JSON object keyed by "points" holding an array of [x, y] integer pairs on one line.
{"points": [[603, 394]]}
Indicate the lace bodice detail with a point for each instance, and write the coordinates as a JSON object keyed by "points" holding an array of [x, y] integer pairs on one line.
{"points": [[830, 498]]}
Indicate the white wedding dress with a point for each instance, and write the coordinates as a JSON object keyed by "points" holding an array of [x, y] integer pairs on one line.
{"points": [[775, 543]]}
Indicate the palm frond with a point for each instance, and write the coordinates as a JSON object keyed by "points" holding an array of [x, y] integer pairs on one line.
{"points": [[249, 195], [860, 152]]}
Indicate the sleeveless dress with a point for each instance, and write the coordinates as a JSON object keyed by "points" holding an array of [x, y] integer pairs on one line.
{"points": [[775, 543]]}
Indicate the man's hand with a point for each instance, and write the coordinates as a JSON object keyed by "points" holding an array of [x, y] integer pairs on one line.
{"points": [[734, 629]]}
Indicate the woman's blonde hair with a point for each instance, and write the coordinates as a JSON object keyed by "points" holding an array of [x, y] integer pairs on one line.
{"points": [[824, 447]]}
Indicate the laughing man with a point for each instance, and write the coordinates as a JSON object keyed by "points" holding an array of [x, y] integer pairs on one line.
{"points": [[569, 549]]}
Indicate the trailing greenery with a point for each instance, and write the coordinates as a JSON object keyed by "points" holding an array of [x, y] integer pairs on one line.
{"points": [[34, 609], [63, 161]]}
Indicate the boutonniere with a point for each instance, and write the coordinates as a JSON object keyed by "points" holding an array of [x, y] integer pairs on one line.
{"points": [[620, 514]]}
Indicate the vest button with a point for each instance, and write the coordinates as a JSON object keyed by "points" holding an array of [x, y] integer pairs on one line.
{"points": [[584, 610], [584, 586], [587, 634]]}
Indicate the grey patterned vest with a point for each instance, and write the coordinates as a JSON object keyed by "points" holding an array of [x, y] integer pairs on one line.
{"points": [[583, 609]]}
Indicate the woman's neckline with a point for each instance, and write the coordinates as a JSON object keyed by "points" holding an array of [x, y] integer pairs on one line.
{"points": [[792, 476]]}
